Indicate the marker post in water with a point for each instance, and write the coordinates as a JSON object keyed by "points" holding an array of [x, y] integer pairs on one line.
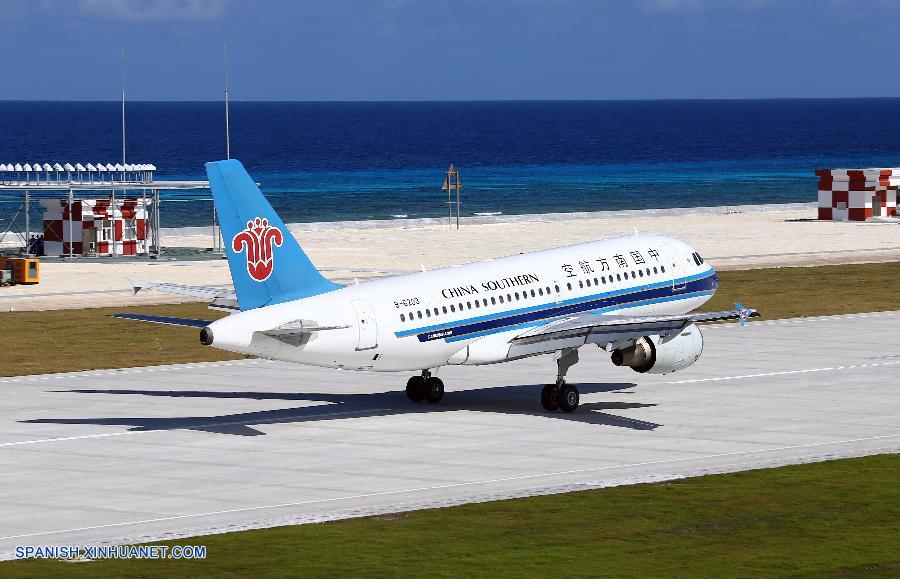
{"points": [[451, 182]]}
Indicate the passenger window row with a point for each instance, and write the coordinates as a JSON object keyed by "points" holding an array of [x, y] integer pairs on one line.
{"points": [[618, 277], [516, 296], [478, 304]]}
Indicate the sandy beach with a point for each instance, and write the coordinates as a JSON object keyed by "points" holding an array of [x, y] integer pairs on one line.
{"points": [[735, 237]]}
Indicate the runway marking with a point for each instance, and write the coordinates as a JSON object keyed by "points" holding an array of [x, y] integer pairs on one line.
{"points": [[446, 486], [787, 372], [192, 427]]}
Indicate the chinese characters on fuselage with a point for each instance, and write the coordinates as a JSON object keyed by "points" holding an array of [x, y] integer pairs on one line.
{"points": [[603, 263]]}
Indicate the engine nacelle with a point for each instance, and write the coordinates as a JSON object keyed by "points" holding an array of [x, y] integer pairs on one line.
{"points": [[655, 356]]}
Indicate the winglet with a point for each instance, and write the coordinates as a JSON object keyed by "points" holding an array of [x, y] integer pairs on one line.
{"points": [[136, 286], [744, 313]]}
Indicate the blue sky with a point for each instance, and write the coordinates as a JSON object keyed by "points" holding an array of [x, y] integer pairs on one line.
{"points": [[450, 49]]}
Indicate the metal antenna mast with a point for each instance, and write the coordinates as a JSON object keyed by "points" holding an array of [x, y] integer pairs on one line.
{"points": [[123, 105], [227, 128]]}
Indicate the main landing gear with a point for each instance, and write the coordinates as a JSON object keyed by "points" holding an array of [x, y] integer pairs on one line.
{"points": [[562, 396], [425, 387]]}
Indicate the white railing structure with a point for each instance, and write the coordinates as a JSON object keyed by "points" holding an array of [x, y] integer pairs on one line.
{"points": [[134, 179], [56, 174]]}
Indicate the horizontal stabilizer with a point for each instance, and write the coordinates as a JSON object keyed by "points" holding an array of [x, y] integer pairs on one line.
{"points": [[197, 291], [302, 327], [184, 322]]}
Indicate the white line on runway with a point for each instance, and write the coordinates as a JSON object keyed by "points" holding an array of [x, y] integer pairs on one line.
{"points": [[191, 427], [449, 486], [786, 372]]}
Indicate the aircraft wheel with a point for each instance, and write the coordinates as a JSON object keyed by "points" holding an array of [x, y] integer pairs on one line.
{"points": [[415, 388], [550, 397], [434, 390], [569, 398]]}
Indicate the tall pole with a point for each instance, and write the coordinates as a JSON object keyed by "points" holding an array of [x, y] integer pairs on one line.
{"points": [[71, 212], [113, 193], [112, 213], [27, 224], [156, 220], [216, 234], [123, 106], [227, 127], [146, 222]]}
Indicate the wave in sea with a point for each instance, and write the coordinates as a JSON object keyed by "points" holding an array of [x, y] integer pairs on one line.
{"points": [[488, 213]]}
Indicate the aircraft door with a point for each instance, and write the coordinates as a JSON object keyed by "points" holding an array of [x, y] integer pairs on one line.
{"points": [[366, 324], [673, 260]]}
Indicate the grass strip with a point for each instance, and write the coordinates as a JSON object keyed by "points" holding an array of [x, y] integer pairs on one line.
{"points": [[89, 339], [810, 291], [832, 518]]}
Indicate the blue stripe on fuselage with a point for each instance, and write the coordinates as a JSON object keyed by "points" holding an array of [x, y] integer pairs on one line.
{"points": [[703, 283], [620, 306]]}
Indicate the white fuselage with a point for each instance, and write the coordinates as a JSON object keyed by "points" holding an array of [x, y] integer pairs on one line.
{"points": [[468, 314]]}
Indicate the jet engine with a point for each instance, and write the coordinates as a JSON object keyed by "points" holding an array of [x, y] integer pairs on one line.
{"points": [[656, 355]]}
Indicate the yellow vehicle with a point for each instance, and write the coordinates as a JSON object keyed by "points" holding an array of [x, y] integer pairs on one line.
{"points": [[25, 270]]}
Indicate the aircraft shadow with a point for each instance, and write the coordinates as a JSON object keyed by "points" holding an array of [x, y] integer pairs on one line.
{"points": [[513, 400]]}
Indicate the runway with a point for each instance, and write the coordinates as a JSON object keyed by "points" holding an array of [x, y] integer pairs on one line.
{"points": [[173, 451]]}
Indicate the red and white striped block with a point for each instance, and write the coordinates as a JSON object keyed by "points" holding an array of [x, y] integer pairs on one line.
{"points": [[857, 194], [77, 226]]}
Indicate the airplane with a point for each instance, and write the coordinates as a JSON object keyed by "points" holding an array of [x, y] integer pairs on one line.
{"points": [[631, 296]]}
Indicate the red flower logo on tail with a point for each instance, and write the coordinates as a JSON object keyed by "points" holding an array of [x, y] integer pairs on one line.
{"points": [[259, 240]]}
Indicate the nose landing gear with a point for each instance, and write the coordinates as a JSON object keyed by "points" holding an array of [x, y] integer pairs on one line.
{"points": [[425, 387]]}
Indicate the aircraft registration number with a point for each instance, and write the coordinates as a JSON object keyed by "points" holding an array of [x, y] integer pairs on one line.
{"points": [[406, 303]]}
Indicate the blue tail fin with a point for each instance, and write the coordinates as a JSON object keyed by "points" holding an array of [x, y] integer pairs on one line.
{"points": [[266, 262]]}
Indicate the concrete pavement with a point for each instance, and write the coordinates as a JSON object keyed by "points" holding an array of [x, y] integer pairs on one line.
{"points": [[115, 456]]}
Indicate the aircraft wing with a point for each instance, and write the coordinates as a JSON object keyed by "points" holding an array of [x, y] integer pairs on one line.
{"points": [[604, 329], [197, 291]]}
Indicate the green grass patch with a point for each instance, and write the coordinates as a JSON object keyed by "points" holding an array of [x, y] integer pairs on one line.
{"points": [[88, 339], [831, 518], [810, 291]]}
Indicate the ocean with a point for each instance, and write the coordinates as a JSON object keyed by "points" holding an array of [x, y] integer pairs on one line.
{"points": [[320, 161]]}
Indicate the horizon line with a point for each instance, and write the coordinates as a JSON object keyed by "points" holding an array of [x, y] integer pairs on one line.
{"points": [[488, 100]]}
